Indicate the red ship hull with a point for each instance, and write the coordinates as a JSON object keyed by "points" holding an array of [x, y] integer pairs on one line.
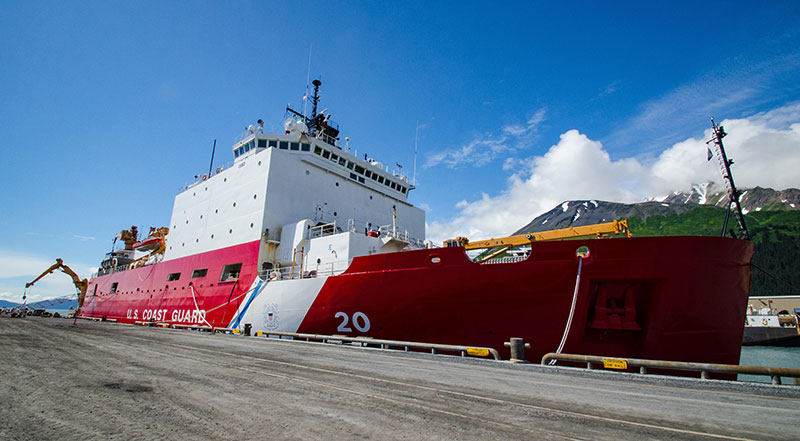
{"points": [[668, 298]]}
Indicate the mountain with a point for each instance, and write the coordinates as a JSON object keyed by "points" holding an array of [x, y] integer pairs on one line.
{"points": [[7, 304], [772, 218], [752, 199]]}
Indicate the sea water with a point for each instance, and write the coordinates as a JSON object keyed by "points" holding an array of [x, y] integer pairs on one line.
{"points": [[772, 356]]}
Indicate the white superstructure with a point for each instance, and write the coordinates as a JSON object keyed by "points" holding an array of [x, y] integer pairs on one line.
{"points": [[296, 193]]}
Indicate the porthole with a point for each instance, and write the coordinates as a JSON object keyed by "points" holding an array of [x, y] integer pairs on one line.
{"points": [[225, 180], [183, 244], [308, 172], [254, 196], [259, 162], [201, 216], [212, 236], [194, 194], [174, 227], [216, 211], [230, 231], [187, 221], [370, 197], [206, 188], [234, 204], [251, 225], [197, 241], [337, 184], [334, 213]]}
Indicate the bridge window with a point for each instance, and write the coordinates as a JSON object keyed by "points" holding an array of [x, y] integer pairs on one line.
{"points": [[262, 143], [342, 161], [295, 146], [326, 154], [284, 145], [380, 179], [359, 169], [394, 186], [350, 165], [199, 273], [114, 287], [305, 147], [173, 277], [273, 142], [334, 158], [230, 272], [317, 150]]}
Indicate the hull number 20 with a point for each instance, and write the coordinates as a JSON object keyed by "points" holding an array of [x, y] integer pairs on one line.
{"points": [[360, 321]]}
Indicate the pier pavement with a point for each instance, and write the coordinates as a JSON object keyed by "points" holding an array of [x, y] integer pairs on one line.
{"points": [[111, 381]]}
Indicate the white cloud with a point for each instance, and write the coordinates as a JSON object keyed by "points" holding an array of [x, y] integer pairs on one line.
{"points": [[765, 148], [485, 149]]}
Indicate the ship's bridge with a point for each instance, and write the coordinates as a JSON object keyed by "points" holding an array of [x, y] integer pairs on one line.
{"points": [[366, 170]]}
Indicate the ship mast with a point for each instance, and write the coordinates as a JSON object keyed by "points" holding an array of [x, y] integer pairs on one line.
{"points": [[725, 165]]}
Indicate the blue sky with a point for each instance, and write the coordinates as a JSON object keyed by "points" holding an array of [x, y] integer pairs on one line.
{"points": [[107, 108]]}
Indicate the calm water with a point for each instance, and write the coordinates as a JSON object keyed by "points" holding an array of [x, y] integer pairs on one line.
{"points": [[769, 356]]}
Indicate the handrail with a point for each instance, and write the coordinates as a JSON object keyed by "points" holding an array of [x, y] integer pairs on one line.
{"points": [[704, 368], [387, 344]]}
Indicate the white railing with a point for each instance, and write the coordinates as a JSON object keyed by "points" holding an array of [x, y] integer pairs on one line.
{"points": [[308, 271], [508, 259]]}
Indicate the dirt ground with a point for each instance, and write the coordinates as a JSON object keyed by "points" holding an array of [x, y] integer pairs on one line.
{"points": [[109, 381]]}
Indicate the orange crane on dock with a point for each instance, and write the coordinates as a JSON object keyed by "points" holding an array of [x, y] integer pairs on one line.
{"points": [[80, 284]]}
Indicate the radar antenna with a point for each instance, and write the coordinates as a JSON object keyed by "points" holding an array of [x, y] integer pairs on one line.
{"points": [[725, 166]]}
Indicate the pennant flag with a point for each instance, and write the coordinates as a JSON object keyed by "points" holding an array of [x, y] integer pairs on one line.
{"points": [[710, 155]]}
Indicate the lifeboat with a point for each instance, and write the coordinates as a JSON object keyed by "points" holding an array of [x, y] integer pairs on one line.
{"points": [[149, 244]]}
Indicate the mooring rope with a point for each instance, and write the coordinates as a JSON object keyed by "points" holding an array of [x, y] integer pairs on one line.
{"points": [[571, 311]]}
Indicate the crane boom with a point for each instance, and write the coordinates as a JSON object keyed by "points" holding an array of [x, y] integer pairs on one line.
{"points": [[80, 284], [614, 227]]}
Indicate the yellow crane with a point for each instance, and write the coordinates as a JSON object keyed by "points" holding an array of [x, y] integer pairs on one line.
{"points": [[80, 284], [504, 243]]}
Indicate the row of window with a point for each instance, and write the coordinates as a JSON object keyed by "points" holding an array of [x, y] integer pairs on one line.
{"points": [[262, 143], [327, 154], [229, 273], [358, 170]]}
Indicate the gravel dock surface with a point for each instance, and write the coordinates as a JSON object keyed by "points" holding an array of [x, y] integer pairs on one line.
{"points": [[110, 381]]}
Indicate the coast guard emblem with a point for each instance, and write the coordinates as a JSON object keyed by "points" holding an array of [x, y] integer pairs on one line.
{"points": [[271, 317]]}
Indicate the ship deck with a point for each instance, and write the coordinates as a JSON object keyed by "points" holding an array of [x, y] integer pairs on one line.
{"points": [[101, 380]]}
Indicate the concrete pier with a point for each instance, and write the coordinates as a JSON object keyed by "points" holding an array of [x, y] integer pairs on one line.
{"points": [[111, 381]]}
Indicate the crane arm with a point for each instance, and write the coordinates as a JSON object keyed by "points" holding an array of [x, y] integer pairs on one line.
{"points": [[80, 284], [614, 227]]}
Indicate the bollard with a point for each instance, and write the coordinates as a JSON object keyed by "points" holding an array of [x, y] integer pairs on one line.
{"points": [[247, 328], [518, 347]]}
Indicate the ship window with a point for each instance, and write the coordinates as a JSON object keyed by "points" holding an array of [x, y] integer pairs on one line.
{"points": [[230, 272], [295, 146], [353, 176], [350, 165], [252, 143], [241, 150], [262, 143], [317, 150], [273, 142], [247, 147], [380, 179], [342, 161], [236, 153], [359, 169], [374, 176], [326, 154], [199, 273], [334, 158], [173, 277], [284, 145], [114, 287], [403, 189], [394, 186], [368, 174], [305, 147], [360, 179]]}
